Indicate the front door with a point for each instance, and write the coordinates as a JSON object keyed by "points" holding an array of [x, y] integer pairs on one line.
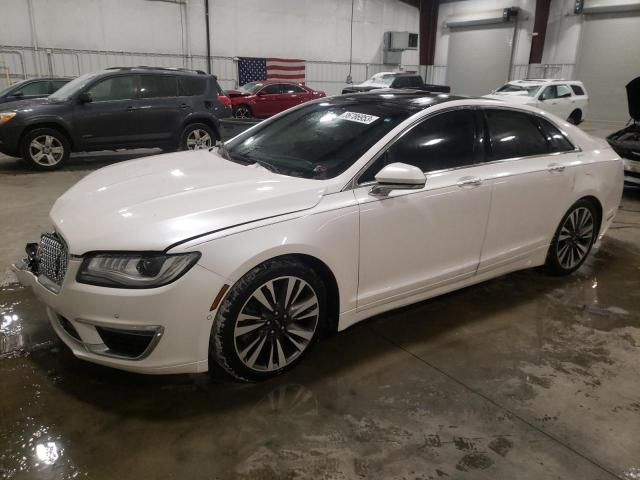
{"points": [[557, 100], [110, 119], [415, 240], [269, 101]]}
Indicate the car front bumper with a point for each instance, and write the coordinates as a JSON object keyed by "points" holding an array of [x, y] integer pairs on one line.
{"points": [[632, 171], [158, 330]]}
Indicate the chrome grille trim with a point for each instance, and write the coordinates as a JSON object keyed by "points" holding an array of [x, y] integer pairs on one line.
{"points": [[53, 258]]}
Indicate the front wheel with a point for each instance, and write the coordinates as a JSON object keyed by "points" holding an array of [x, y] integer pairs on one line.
{"points": [[197, 136], [45, 149], [574, 239], [242, 111], [269, 320]]}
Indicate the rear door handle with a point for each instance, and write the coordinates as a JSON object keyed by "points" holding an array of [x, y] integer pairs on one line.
{"points": [[469, 182], [555, 167], [185, 105], [131, 108]]}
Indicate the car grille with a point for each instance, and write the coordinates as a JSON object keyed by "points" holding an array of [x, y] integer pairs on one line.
{"points": [[53, 258]]}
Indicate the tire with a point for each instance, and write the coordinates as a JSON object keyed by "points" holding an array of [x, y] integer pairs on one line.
{"points": [[197, 136], [269, 341], [45, 149], [575, 117], [242, 111], [570, 247]]}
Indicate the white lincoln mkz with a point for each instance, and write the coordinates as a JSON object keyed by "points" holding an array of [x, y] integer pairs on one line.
{"points": [[311, 221]]}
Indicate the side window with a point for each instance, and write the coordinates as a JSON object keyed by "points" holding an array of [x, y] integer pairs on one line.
{"points": [[190, 86], [414, 82], [400, 82], [56, 84], [577, 89], [563, 91], [444, 141], [271, 89], [514, 134], [549, 93], [114, 88], [557, 141], [36, 88], [292, 89], [157, 86]]}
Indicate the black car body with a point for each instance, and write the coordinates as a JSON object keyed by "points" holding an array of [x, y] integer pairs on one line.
{"points": [[400, 80], [32, 88], [117, 108], [626, 142]]}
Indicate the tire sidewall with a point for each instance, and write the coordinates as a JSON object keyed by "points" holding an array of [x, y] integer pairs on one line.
{"points": [[222, 344], [553, 263], [28, 138], [196, 126]]}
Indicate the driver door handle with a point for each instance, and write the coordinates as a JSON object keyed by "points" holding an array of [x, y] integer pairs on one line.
{"points": [[555, 167], [469, 182]]}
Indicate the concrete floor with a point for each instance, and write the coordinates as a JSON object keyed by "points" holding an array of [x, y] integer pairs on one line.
{"points": [[523, 377]]}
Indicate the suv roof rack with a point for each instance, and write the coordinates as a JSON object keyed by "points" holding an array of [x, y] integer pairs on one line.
{"points": [[172, 69]]}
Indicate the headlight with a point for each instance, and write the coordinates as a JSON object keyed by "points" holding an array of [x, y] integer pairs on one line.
{"points": [[6, 116], [135, 270]]}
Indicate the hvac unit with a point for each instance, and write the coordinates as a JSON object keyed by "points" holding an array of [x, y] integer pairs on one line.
{"points": [[606, 6], [397, 42]]}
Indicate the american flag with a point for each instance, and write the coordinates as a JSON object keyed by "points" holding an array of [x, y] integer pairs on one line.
{"points": [[252, 69]]}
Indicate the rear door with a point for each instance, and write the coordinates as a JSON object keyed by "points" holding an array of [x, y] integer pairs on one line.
{"points": [[293, 95], [530, 164], [160, 110], [110, 119]]}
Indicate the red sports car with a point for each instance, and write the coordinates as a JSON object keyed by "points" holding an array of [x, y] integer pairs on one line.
{"points": [[268, 97]]}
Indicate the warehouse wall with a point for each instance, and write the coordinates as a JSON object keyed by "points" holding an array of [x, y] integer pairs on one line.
{"points": [[308, 29]]}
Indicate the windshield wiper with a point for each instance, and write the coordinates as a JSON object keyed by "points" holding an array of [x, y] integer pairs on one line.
{"points": [[268, 166]]}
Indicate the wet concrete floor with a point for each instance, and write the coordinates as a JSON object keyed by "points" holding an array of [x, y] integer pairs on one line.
{"points": [[523, 377]]}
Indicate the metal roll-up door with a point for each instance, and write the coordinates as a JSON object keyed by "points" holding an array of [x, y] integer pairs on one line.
{"points": [[609, 58]]}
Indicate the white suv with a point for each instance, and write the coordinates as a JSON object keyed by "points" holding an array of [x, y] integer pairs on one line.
{"points": [[564, 98]]}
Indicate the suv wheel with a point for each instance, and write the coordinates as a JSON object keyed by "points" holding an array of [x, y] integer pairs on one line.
{"points": [[269, 320], [197, 136], [45, 149], [242, 111], [574, 238], [575, 117]]}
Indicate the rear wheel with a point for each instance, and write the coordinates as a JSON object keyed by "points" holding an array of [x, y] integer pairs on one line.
{"points": [[197, 136], [242, 111], [269, 320], [575, 117], [574, 238], [45, 149]]}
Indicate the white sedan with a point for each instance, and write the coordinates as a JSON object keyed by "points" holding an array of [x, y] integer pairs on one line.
{"points": [[311, 221], [565, 98]]}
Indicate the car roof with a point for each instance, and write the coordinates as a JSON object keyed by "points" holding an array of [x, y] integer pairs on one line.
{"points": [[271, 82], [409, 99]]}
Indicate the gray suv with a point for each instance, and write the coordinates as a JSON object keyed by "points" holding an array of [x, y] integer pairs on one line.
{"points": [[117, 108]]}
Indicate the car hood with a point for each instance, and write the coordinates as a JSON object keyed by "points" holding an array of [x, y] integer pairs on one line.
{"points": [[152, 203], [236, 93], [633, 97], [18, 105]]}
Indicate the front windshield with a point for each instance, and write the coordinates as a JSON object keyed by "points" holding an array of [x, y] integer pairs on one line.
{"points": [[319, 140], [250, 87], [75, 85], [9, 88], [510, 87]]}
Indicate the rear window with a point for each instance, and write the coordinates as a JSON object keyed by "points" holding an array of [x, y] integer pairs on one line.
{"points": [[577, 89], [190, 86], [155, 86]]}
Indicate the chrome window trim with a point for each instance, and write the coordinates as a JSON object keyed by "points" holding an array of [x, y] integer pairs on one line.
{"points": [[353, 183]]}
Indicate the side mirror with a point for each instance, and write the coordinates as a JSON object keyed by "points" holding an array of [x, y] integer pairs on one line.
{"points": [[85, 97], [17, 93], [398, 176]]}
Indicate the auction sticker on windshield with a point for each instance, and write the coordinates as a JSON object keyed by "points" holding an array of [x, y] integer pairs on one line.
{"points": [[358, 117]]}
